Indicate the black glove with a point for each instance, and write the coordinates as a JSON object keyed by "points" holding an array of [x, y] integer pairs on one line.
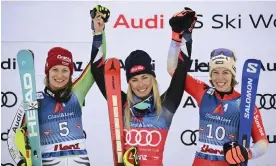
{"points": [[235, 153], [98, 8], [183, 21]]}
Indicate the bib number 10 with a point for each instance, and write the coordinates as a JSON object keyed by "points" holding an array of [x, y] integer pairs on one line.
{"points": [[219, 132]]}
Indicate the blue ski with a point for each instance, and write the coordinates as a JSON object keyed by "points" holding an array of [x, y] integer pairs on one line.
{"points": [[250, 79], [25, 60]]}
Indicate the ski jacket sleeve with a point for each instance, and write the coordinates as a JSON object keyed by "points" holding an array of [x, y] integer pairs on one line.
{"points": [[194, 87], [82, 85], [173, 95], [97, 64], [258, 135], [18, 122]]}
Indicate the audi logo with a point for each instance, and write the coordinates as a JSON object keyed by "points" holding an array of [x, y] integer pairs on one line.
{"points": [[8, 99], [266, 101], [4, 136], [189, 137], [7, 164], [135, 137]]}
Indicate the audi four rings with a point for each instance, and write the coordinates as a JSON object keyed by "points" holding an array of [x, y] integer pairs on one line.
{"points": [[189, 137], [153, 138], [8, 99], [266, 101]]}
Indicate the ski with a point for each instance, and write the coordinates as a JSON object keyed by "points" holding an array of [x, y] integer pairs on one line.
{"points": [[25, 60], [250, 79], [114, 101]]}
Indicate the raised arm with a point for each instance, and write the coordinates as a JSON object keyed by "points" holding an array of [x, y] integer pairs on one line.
{"points": [[172, 97], [82, 85], [182, 25], [98, 51]]}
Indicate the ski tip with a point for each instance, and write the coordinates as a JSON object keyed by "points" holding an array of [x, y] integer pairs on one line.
{"points": [[27, 51], [257, 61], [31, 53], [112, 59], [252, 66]]}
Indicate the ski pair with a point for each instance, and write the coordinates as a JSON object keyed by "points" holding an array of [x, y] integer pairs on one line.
{"points": [[115, 109]]}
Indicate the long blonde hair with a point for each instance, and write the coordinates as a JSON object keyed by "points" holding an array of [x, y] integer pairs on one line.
{"points": [[157, 101]]}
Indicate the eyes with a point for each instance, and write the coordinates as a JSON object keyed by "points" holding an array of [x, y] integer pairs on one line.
{"points": [[135, 79], [56, 70], [225, 72]]}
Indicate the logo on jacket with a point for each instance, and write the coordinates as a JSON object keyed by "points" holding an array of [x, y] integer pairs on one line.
{"points": [[135, 137], [66, 147], [218, 110]]}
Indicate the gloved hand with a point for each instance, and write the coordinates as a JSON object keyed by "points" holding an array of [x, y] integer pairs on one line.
{"points": [[235, 153], [133, 153], [182, 22], [99, 16]]}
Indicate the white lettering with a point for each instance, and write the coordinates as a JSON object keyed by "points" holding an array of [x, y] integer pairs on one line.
{"points": [[217, 117], [256, 118], [248, 98], [252, 67], [64, 58]]}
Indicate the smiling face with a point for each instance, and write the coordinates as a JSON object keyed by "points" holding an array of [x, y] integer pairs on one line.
{"points": [[59, 76], [141, 85], [221, 78]]}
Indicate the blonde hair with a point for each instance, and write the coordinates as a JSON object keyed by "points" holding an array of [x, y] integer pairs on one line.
{"points": [[157, 101]]}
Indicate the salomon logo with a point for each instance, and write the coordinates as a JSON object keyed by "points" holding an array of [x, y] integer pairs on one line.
{"points": [[252, 67], [248, 98]]}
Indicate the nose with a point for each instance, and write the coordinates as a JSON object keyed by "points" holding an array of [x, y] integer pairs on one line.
{"points": [[59, 74], [141, 83], [220, 76]]}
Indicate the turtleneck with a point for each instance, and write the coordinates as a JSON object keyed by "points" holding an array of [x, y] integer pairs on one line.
{"points": [[222, 94]]}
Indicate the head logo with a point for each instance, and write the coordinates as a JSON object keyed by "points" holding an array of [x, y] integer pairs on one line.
{"points": [[31, 114]]}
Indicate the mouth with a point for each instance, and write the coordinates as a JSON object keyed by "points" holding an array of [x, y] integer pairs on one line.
{"points": [[59, 80], [221, 83], [142, 90]]}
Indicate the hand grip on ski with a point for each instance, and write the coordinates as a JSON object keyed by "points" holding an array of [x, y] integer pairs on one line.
{"points": [[21, 145], [133, 153]]}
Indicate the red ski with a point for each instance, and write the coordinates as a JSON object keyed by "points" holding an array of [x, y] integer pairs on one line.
{"points": [[114, 100]]}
